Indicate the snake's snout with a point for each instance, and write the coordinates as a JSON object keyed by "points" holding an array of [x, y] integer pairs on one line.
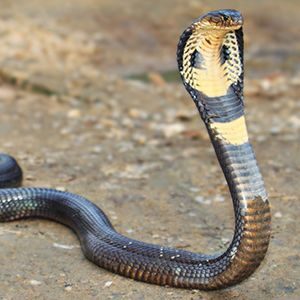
{"points": [[227, 19]]}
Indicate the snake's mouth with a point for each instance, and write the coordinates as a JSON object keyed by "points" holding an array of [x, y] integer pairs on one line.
{"points": [[226, 19]]}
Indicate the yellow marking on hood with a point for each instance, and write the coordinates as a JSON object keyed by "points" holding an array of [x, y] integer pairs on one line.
{"points": [[213, 79]]}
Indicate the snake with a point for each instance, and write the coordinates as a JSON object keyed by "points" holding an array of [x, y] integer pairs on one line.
{"points": [[211, 65]]}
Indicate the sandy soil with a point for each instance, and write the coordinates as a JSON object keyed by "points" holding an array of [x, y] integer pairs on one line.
{"points": [[86, 107]]}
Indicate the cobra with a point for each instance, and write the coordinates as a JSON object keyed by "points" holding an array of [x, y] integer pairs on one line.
{"points": [[210, 60]]}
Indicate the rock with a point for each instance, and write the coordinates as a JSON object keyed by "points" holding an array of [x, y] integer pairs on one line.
{"points": [[108, 284], [173, 129], [35, 282], [202, 200], [74, 113]]}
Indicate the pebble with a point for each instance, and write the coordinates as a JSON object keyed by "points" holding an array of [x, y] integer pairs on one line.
{"points": [[219, 198], [194, 189], [261, 138], [156, 236], [60, 188], [225, 241], [30, 177], [295, 121], [97, 149], [278, 215], [137, 114], [139, 138], [74, 113], [68, 288], [65, 131], [35, 282], [185, 115], [202, 200], [7, 93], [108, 284], [173, 129], [275, 130], [61, 246], [192, 214]]}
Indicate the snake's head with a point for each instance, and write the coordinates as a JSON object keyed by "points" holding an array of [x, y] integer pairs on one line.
{"points": [[210, 61], [226, 19]]}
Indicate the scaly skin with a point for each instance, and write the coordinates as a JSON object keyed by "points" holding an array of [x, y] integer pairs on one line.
{"points": [[210, 60]]}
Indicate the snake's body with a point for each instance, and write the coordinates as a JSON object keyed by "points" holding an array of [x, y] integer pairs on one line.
{"points": [[210, 59]]}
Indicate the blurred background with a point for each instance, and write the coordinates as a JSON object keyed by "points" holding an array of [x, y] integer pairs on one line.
{"points": [[91, 102], [130, 38]]}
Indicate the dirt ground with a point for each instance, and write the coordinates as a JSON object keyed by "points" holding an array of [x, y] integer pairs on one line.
{"points": [[91, 103]]}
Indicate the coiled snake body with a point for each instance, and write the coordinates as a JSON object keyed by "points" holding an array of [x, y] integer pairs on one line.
{"points": [[210, 60]]}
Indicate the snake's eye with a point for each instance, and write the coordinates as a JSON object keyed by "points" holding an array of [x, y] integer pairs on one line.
{"points": [[225, 18]]}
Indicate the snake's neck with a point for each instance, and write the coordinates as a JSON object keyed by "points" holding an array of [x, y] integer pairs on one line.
{"points": [[240, 169]]}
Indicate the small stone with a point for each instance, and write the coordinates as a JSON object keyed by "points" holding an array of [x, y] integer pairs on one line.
{"points": [[97, 149], [278, 215], [68, 287], [30, 178], [137, 113], [168, 157], [156, 236], [60, 188], [108, 284], [194, 189], [65, 131], [173, 129], [35, 282], [295, 80], [61, 246], [261, 138], [7, 93], [275, 130], [295, 121], [185, 115], [202, 200], [219, 198], [225, 241], [139, 138], [192, 214]]}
